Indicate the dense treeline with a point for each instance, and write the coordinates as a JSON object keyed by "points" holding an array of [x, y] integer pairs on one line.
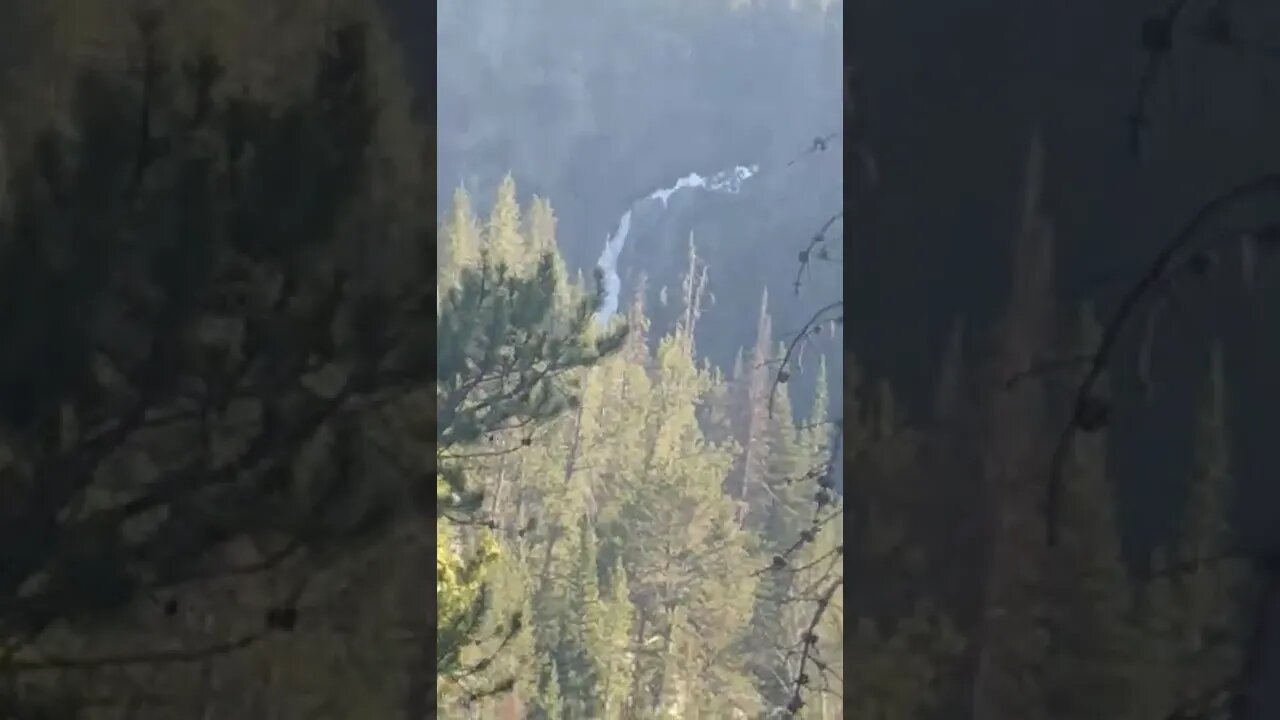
{"points": [[632, 526], [1072, 630], [665, 479], [217, 433]]}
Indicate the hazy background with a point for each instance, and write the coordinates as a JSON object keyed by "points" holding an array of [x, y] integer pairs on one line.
{"points": [[596, 105]]}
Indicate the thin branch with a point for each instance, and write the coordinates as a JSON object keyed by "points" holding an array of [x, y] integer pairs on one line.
{"points": [[810, 643], [818, 238], [814, 320], [128, 659], [154, 657], [1164, 264]]}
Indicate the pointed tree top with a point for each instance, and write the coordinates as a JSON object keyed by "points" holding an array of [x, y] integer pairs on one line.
{"points": [[947, 392], [1034, 178]]}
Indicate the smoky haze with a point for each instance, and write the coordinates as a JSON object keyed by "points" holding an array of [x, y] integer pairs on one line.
{"points": [[595, 106]]}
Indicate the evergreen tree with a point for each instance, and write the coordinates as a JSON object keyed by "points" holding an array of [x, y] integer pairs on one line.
{"points": [[684, 547], [582, 644], [499, 356], [1155, 677], [504, 243], [458, 242], [506, 351], [817, 430], [949, 392], [548, 705], [202, 368], [1010, 659], [716, 412], [753, 415], [280, 200], [616, 654], [1210, 594], [1190, 642], [895, 671], [636, 349], [541, 234], [1087, 592], [541, 227], [787, 521]]}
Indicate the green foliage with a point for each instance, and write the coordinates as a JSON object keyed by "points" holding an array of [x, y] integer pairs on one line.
{"points": [[462, 599], [219, 350], [582, 642], [1092, 645], [188, 279], [897, 666], [1192, 637], [548, 704], [199, 348], [504, 244], [458, 243], [501, 351], [510, 349], [615, 651]]}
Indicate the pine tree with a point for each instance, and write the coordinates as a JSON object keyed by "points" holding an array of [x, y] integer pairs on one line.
{"points": [[716, 413], [1013, 643], [787, 517], [503, 241], [896, 665], [683, 545], [753, 414], [541, 234], [948, 394], [548, 705], [636, 349], [1091, 644], [503, 342], [817, 430], [1155, 676], [582, 645], [674, 698], [541, 229], [616, 651], [786, 461], [202, 267], [1209, 595], [458, 241], [505, 338]]}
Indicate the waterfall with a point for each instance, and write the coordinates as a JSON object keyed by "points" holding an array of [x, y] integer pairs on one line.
{"points": [[726, 181]]}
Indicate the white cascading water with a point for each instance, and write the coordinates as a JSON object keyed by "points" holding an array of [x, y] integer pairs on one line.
{"points": [[726, 181]]}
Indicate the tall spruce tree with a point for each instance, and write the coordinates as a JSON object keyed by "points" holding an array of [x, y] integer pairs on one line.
{"points": [[504, 242], [458, 242], [509, 353], [1210, 594], [1013, 642], [616, 651], [753, 415], [582, 648], [786, 519], [1087, 592], [1155, 678]]}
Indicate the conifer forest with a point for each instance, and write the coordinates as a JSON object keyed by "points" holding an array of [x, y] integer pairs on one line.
{"points": [[242, 243]]}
